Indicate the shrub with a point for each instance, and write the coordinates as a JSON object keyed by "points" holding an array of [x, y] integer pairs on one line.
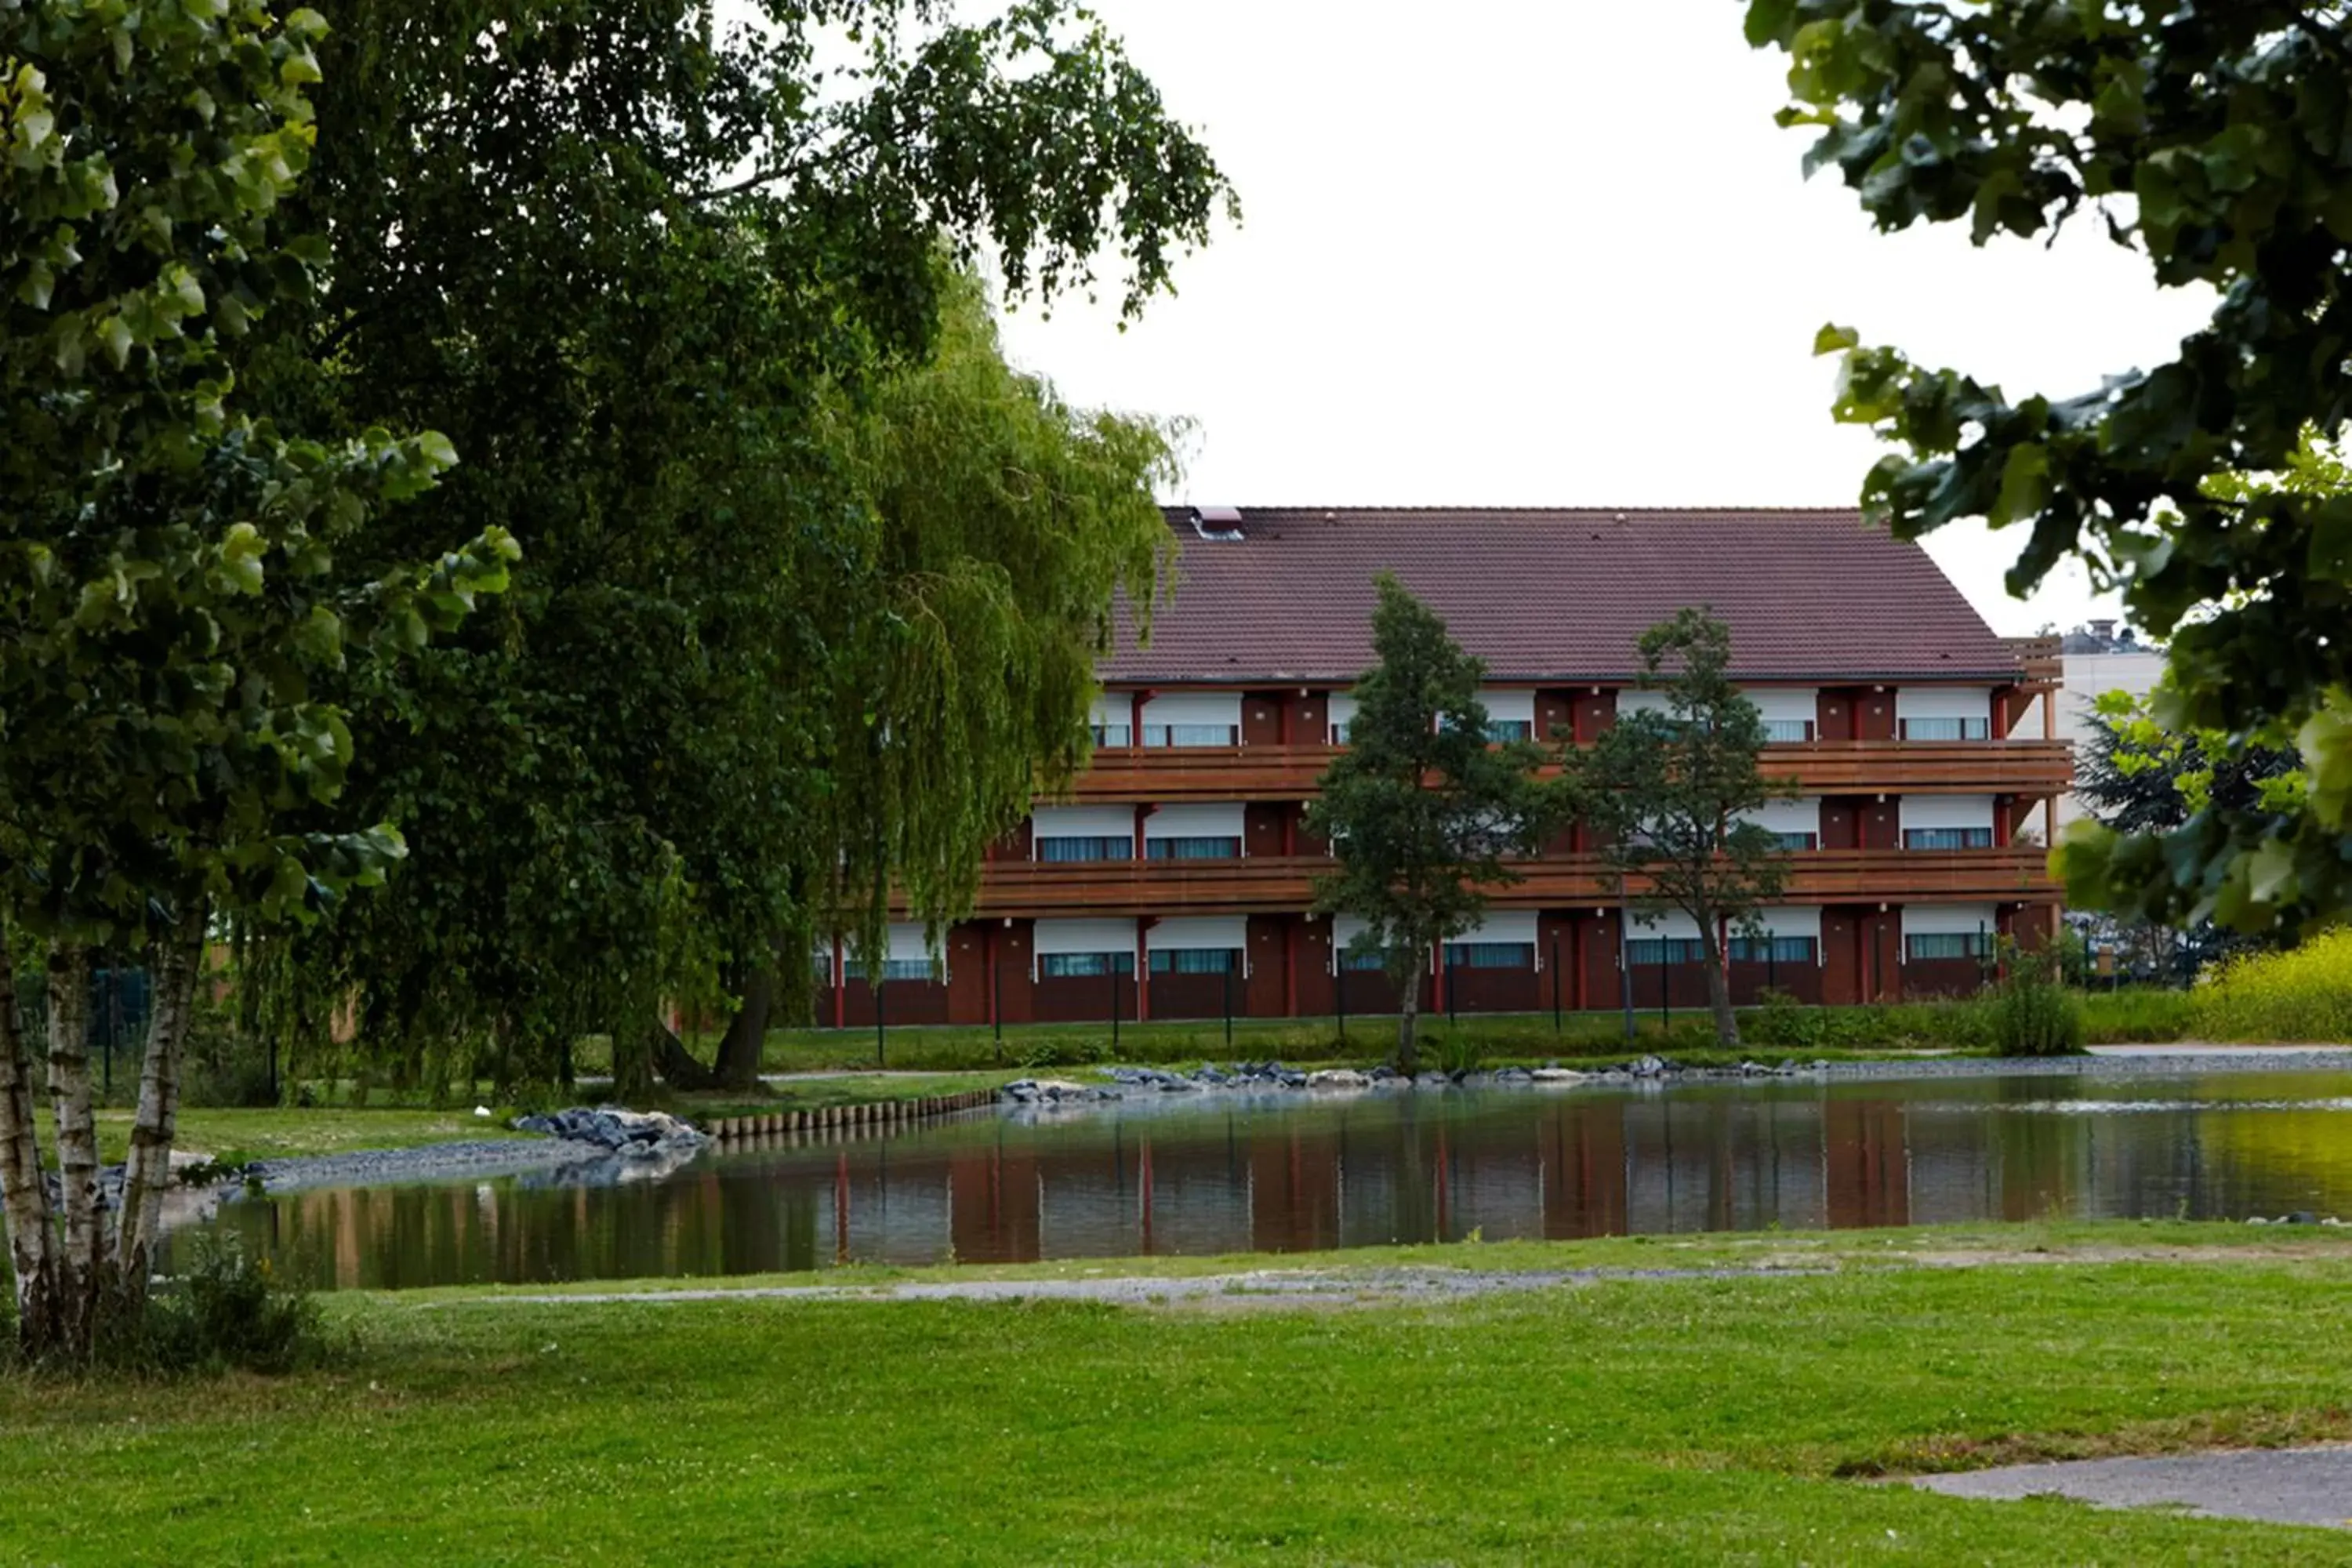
{"points": [[230, 1311], [2304, 993], [2032, 1013]]}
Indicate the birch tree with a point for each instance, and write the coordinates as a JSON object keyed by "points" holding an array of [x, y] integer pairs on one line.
{"points": [[171, 614]]}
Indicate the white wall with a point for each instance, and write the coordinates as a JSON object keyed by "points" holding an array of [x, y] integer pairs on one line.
{"points": [[1930, 919], [1793, 919], [1785, 702], [1345, 929], [1942, 702], [1081, 936], [1508, 925], [2087, 677], [1195, 707], [1219, 820], [1082, 822], [1509, 703], [1228, 932], [1634, 701], [1112, 707], [1946, 811], [1342, 707], [1670, 923], [1800, 816]]}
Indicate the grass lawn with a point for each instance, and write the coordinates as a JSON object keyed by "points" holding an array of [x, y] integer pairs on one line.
{"points": [[275, 1134], [1629, 1420]]}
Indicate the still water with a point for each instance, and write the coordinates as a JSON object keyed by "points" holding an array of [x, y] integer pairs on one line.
{"points": [[1211, 1175]]}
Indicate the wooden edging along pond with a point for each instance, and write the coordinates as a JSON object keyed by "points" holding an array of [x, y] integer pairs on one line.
{"points": [[837, 1121]]}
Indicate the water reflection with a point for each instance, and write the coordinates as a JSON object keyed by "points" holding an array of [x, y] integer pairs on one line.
{"points": [[1295, 1174]]}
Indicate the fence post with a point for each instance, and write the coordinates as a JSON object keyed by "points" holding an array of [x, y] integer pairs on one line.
{"points": [[1555, 987]]}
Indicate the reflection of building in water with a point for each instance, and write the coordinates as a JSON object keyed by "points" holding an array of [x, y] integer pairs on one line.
{"points": [[1306, 1175]]}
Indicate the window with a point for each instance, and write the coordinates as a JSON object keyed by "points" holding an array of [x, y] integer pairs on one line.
{"points": [[1949, 944], [1499, 731], [1339, 733], [1947, 838], [892, 969], [1192, 848], [1114, 734], [1196, 961], [1798, 840], [1191, 735], [1782, 731], [1361, 961], [1772, 949], [1079, 965], [1665, 950], [1086, 849], [1490, 955], [1946, 729]]}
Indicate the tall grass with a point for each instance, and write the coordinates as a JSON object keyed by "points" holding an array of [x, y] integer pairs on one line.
{"points": [[2303, 995]]}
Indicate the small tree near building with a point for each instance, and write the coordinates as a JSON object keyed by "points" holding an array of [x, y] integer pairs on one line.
{"points": [[1423, 807], [1670, 792]]}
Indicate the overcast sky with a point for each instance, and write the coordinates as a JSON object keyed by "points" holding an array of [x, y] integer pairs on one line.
{"points": [[1553, 252]]}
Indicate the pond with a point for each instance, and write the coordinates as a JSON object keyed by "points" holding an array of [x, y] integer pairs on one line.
{"points": [[1218, 1173]]}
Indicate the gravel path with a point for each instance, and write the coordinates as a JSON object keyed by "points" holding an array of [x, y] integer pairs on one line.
{"points": [[1257, 1289], [2288, 1486], [426, 1162]]}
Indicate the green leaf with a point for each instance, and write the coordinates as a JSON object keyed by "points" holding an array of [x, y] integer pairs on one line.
{"points": [[1834, 339]]}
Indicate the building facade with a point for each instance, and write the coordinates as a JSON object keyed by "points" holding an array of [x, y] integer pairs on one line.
{"points": [[2097, 658], [1175, 878]]}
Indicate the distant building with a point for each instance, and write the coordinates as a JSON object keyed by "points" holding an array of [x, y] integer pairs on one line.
{"points": [[2097, 659], [1177, 878]]}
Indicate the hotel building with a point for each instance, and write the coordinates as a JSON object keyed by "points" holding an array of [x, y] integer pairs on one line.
{"points": [[1175, 877]]}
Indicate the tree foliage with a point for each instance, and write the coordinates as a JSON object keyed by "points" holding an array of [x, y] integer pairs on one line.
{"points": [[812, 577], [2211, 139], [1421, 810], [1671, 793], [178, 601]]}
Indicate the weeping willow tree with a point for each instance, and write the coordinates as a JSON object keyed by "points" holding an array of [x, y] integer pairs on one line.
{"points": [[811, 581], [994, 524]]}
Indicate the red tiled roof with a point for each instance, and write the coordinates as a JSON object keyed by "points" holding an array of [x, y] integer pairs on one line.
{"points": [[1559, 594]]}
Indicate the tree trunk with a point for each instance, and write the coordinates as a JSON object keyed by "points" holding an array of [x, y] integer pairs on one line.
{"points": [[1408, 1016], [1719, 990], [80, 1273], [147, 1172], [678, 1066], [23, 1194], [744, 1046]]}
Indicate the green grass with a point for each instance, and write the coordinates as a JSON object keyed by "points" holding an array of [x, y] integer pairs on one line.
{"points": [[1630, 1421], [276, 1134], [1965, 1025]]}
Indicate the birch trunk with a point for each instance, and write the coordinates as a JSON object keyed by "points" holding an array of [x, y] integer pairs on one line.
{"points": [[77, 1264], [24, 1196], [147, 1172]]}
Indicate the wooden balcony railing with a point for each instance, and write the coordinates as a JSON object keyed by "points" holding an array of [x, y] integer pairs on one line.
{"points": [[1267, 885], [1170, 775]]}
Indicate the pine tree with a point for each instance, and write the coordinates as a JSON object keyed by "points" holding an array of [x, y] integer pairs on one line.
{"points": [[1422, 808]]}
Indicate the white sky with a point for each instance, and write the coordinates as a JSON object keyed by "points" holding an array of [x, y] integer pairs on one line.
{"points": [[1553, 252]]}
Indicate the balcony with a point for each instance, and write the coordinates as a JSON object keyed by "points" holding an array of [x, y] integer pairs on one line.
{"points": [[1172, 776], [1284, 883]]}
